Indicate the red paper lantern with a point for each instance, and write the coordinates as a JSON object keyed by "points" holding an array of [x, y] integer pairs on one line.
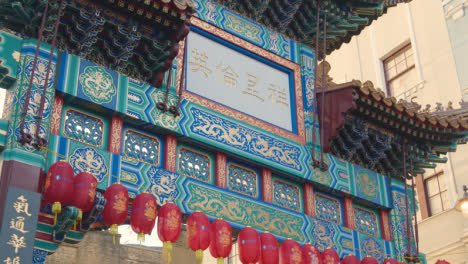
{"points": [[84, 191], [198, 233], [369, 260], [269, 249], [58, 187], [116, 209], [329, 256], [290, 252], [221, 240], [390, 261], [170, 219], [351, 259], [249, 245], [143, 217], [311, 254], [442, 262]]}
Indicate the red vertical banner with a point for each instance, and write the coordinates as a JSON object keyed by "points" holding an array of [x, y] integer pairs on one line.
{"points": [[267, 186], [56, 115], [220, 179], [348, 213], [385, 225], [309, 199], [170, 153], [115, 135]]}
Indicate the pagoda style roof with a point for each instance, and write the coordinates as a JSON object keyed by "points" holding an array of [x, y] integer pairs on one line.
{"points": [[137, 38], [364, 126], [298, 18]]}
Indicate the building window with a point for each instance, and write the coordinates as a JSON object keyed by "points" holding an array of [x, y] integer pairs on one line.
{"points": [[286, 195], [400, 73], [194, 165], [328, 209], [242, 180], [366, 221], [141, 147], [83, 128], [437, 194]]}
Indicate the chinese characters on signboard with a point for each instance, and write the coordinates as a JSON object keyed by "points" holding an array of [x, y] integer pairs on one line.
{"points": [[244, 83], [19, 226]]}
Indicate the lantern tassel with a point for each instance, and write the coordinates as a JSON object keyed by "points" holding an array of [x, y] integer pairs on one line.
{"points": [[56, 209], [168, 247], [220, 260], [199, 255], [114, 230]]}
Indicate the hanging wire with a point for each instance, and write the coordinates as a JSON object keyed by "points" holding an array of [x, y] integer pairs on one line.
{"points": [[315, 163], [175, 109], [408, 239], [163, 105], [40, 140], [323, 165], [26, 137], [416, 231]]}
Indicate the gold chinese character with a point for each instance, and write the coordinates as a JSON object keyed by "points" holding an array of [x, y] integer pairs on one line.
{"points": [[229, 76], [17, 242], [18, 225], [278, 95], [22, 205], [199, 63], [251, 85], [16, 260]]}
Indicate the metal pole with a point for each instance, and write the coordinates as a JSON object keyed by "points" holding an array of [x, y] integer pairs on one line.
{"points": [[314, 110], [323, 166]]}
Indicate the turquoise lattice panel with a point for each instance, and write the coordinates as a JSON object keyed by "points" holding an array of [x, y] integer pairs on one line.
{"points": [[372, 246], [242, 180], [141, 147], [195, 164], [10, 46], [366, 221], [84, 128], [324, 234], [287, 195], [211, 12], [370, 186], [328, 209]]}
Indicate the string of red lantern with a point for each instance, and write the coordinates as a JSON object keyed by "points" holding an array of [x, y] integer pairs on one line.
{"points": [[198, 233], [169, 223], [143, 216], [253, 248], [58, 187], [84, 191], [221, 242], [116, 209], [270, 250], [249, 245]]}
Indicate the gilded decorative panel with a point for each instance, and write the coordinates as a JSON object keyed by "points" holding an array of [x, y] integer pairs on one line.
{"points": [[141, 147], [242, 180], [366, 221], [242, 211], [286, 195], [328, 209], [194, 164], [83, 128]]}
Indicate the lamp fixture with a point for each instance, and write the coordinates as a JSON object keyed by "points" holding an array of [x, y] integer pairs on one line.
{"points": [[462, 204]]}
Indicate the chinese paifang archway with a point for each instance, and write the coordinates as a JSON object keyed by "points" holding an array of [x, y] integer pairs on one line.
{"points": [[206, 113]]}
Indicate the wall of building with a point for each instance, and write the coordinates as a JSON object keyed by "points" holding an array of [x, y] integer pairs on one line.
{"points": [[457, 25], [441, 53], [421, 23]]}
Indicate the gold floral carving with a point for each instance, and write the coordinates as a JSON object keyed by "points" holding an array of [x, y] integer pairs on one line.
{"points": [[221, 170], [300, 137], [171, 157], [116, 136], [267, 191], [57, 115]]}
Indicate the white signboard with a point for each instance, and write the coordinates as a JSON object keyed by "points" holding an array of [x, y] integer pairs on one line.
{"points": [[231, 78]]}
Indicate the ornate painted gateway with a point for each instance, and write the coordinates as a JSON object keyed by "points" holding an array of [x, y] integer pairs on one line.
{"points": [[191, 111]]}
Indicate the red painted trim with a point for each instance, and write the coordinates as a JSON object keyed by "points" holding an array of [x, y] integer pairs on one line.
{"points": [[385, 225], [309, 199], [43, 236], [56, 115], [220, 170], [170, 153], [266, 186], [114, 144], [348, 210]]}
